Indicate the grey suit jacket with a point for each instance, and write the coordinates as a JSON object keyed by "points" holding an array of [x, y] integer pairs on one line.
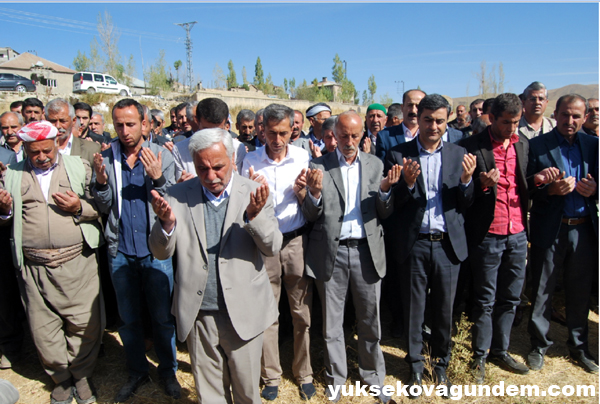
{"points": [[323, 240], [244, 280], [107, 197], [85, 149]]}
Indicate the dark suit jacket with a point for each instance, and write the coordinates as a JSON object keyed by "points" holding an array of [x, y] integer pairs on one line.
{"points": [[390, 137], [480, 215], [85, 149], [409, 206], [547, 210], [7, 156], [323, 240]]}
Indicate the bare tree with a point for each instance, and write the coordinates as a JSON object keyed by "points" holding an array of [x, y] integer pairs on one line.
{"points": [[109, 42], [500, 78]]}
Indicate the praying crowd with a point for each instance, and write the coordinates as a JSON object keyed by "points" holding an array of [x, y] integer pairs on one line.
{"points": [[193, 231]]}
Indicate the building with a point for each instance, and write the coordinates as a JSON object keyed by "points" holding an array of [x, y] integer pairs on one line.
{"points": [[50, 78]]}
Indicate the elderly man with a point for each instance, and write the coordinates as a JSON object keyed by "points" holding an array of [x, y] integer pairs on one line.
{"points": [[55, 231], [564, 231], [461, 111], [10, 124], [590, 126], [61, 114], [97, 132], [316, 115], [376, 118], [430, 238], [394, 115], [533, 122], [346, 199], [404, 132], [33, 110], [210, 113], [279, 164], [218, 224], [125, 175], [297, 131], [244, 124], [186, 121]]}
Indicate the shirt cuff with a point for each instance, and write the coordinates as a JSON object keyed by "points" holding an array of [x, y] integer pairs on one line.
{"points": [[385, 195], [6, 217], [169, 234], [464, 186], [315, 200]]}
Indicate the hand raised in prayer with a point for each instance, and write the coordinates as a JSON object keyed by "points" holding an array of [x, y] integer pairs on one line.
{"points": [[411, 171], [315, 150], [587, 186], [546, 176], [67, 202], [314, 182], [152, 164], [257, 177], [6, 202], [392, 178], [469, 163], [100, 169], [258, 199], [490, 178], [185, 176], [163, 210], [169, 146], [561, 185]]}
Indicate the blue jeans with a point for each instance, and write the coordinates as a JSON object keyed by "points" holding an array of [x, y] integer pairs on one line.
{"points": [[130, 275]]}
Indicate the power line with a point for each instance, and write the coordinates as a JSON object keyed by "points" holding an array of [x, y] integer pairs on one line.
{"points": [[188, 47]]}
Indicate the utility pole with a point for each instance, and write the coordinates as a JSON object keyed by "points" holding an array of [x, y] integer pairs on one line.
{"points": [[188, 47], [345, 70]]}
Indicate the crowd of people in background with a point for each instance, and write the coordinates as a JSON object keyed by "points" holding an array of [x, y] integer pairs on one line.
{"points": [[194, 230]]}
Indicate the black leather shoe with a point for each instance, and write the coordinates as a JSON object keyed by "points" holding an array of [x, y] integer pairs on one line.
{"points": [[307, 391], [586, 361], [129, 388], [172, 387], [478, 369], [442, 380], [416, 379], [535, 359], [269, 393], [507, 362]]}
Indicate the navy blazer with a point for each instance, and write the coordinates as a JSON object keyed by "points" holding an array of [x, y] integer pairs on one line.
{"points": [[547, 210], [409, 206], [7, 156], [480, 215]]}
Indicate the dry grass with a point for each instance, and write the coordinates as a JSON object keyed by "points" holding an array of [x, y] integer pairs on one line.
{"points": [[35, 386]]}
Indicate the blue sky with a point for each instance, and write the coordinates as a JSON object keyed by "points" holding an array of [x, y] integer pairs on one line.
{"points": [[437, 46]]}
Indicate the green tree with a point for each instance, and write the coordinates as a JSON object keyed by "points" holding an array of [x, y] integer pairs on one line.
{"points": [[372, 86], [386, 100], [177, 65], [129, 71], [337, 71], [364, 97], [81, 62], [285, 84], [231, 79], [156, 75], [259, 75]]}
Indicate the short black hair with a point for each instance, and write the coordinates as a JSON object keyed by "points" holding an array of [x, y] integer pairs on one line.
{"points": [[477, 101], [507, 102], [433, 102], [277, 113], [83, 106], [129, 102], [486, 105], [409, 91], [214, 110], [16, 104], [569, 98], [32, 102], [181, 106]]}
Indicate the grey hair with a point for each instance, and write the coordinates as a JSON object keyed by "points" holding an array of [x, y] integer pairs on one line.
{"points": [[535, 86], [245, 115], [147, 113], [260, 112], [19, 117], [277, 113], [158, 113], [57, 104], [98, 114], [205, 138], [478, 125], [329, 123], [190, 111]]}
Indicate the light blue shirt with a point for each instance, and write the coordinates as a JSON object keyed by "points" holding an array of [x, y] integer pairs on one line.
{"points": [[431, 169]]}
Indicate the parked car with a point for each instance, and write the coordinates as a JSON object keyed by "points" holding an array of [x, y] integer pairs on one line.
{"points": [[14, 82], [90, 82]]}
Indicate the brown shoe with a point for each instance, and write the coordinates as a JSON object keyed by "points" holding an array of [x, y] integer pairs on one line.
{"points": [[84, 391], [62, 393]]}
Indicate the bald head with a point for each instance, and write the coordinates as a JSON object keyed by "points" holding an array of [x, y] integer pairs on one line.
{"points": [[348, 133]]}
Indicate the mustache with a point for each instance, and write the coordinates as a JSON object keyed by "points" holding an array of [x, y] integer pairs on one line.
{"points": [[215, 181], [412, 115], [46, 160]]}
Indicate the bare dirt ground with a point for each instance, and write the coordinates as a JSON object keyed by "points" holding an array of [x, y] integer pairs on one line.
{"points": [[35, 386]]}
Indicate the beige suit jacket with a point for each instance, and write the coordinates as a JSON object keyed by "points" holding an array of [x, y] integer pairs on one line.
{"points": [[244, 280]]}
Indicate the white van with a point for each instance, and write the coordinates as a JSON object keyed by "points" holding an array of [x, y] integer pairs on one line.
{"points": [[90, 82]]}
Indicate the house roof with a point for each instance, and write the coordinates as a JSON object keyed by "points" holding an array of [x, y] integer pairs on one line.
{"points": [[25, 61]]}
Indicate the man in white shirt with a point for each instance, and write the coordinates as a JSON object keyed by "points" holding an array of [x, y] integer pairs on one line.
{"points": [[278, 164]]}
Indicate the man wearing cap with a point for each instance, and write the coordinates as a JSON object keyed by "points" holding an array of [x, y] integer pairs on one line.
{"points": [[316, 116], [55, 230], [376, 119]]}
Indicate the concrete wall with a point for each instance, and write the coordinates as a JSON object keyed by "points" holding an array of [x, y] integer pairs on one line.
{"points": [[255, 101]]}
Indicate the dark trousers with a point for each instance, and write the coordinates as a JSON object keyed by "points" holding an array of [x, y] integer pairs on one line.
{"points": [[575, 255], [430, 265], [498, 265], [12, 314]]}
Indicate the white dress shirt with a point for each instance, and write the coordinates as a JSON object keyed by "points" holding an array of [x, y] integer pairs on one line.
{"points": [[408, 135], [68, 147], [281, 177]]}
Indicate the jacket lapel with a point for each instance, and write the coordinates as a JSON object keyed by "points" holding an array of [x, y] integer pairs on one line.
{"points": [[333, 167], [554, 150], [487, 152], [195, 202], [585, 155], [236, 203], [521, 157]]}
